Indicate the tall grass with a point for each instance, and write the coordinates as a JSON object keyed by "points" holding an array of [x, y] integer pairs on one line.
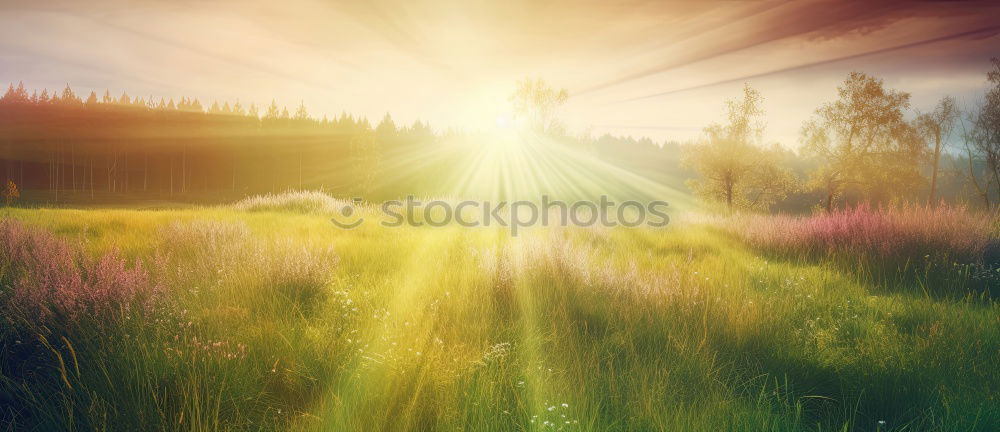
{"points": [[49, 282], [944, 245], [274, 320], [292, 201], [881, 233]]}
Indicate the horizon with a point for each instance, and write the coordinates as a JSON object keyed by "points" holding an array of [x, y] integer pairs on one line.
{"points": [[626, 75]]}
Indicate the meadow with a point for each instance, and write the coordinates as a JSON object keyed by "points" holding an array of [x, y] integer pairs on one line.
{"points": [[264, 316]]}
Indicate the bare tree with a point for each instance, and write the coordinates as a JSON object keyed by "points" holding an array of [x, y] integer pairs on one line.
{"points": [[981, 140], [935, 127], [981, 179]]}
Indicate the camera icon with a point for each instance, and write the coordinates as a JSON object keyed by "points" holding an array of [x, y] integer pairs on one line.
{"points": [[346, 216]]}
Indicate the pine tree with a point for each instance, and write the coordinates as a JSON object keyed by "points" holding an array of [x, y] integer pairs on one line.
{"points": [[301, 113], [272, 111], [21, 94], [68, 97], [16, 95], [9, 95]]}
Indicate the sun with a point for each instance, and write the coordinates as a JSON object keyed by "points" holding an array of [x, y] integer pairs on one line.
{"points": [[504, 122]]}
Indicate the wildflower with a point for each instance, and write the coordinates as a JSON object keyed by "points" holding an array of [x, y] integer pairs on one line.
{"points": [[49, 278]]}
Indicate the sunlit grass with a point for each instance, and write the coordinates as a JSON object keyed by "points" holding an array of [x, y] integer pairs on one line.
{"points": [[277, 320]]}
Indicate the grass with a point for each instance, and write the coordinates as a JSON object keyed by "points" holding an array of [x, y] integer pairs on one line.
{"points": [[273, 319], [940, 250]]}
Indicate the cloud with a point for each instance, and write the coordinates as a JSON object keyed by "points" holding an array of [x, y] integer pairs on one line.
{"points": [[809, 21], [976, 34]]}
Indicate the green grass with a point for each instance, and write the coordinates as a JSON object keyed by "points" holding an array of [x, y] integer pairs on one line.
{"points": [[280, 321]]}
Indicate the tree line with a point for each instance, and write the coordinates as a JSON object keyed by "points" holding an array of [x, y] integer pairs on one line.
{"points": [[69, 146], [868, 145], [60, 147]]}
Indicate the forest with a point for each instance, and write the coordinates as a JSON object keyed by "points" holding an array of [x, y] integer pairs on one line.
{"points": [[869, 146]]}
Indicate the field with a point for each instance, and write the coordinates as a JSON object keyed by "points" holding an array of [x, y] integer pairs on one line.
{"points": [[270, 318]]}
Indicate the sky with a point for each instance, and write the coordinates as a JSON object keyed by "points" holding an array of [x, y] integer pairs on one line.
{"points": [[658, 69]]}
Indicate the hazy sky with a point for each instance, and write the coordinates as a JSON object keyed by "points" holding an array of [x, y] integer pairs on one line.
{"points": [[644, 68]]}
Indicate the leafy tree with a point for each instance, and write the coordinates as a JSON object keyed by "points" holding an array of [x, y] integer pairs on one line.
{"points": [[863, 142], [735, 169], [536, 102], [10, 193]]}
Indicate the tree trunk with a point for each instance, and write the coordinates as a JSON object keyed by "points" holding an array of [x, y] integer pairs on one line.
{"points": [[934, 170], [184, 173], [72, 163]]}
